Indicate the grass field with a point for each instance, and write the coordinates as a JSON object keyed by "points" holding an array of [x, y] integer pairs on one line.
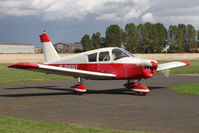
{"points": [[190, 89], [13, 125], [9, 75]]}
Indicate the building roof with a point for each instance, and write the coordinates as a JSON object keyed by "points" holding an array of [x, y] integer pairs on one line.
{"points": [[68, 44], [11, 43], [74, 45]]}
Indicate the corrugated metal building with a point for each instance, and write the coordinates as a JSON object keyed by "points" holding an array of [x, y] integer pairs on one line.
{"points": [[70, 47], [6, 47]]}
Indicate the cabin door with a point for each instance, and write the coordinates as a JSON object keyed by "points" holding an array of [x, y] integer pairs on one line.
{"points": [[104, 65]]}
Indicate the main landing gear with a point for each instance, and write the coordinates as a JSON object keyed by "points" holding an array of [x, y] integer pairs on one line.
{"points": [[139, 89], [79, 89], [136, 87]]}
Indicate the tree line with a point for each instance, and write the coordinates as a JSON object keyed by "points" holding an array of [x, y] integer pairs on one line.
{"points": [[145, 38]]}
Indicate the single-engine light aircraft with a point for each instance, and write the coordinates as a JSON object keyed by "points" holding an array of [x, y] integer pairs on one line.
{"points": [[111, 63]]}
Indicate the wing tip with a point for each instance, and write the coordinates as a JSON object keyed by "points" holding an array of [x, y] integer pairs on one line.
{"points": [[24, 65], [187, 63]]}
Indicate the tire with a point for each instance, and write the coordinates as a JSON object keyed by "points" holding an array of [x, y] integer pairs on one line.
{"points": [[141, 94]]}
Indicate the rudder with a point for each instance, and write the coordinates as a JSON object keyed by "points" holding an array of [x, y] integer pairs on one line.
{"points": [[50, 54]]}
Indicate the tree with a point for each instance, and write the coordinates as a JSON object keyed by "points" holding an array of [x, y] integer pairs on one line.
{"points": [[190, 36], [96, 40], [103, 43], [181, 37], [114, 36], [173, 31], [162, 37], [142, 38], [145, 38], [86, 42], [155, 46], [149, 39], [131, 37]]}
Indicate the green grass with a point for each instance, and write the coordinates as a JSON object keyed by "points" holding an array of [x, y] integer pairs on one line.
{"points": [[13, 125], [192, 69], [190, 89], [10, 75]]}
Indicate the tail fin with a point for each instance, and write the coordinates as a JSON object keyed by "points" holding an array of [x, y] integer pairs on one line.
{"points": [[49, 51]]}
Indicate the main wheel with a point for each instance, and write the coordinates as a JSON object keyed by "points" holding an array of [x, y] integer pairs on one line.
{"points": [[78, 93], [79, 89], [141, 93]]}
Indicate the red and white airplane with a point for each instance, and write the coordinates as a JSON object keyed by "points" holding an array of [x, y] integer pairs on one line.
{"points": [[110, 63]]}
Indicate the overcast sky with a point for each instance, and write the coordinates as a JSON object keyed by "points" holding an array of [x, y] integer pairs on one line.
{"points": [[69, 20]]}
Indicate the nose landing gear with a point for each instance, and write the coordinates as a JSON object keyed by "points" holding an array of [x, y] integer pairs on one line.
{"points": [[139, 89]]}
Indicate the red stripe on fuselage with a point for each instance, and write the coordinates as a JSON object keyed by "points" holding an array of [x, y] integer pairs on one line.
{"points": [[122, 71], [24, 65]]}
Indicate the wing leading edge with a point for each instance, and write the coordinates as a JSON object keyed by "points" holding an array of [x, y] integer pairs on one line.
{"points": [[62, 71], [173, 64]]}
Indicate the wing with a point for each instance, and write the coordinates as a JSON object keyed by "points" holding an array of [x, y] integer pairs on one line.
{"points": [[173, 64], [62, 71]]}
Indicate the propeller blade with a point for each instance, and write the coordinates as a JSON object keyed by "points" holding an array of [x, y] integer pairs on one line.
{"points": [[149, 63], [166, 73]]}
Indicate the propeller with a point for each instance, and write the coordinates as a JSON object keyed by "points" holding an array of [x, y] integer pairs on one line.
{"points": [[150, 67], [166, 72]]}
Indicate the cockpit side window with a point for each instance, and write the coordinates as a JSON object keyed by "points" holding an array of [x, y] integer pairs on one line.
{"points": [[118, 54], [104, 56], [92, 57]]}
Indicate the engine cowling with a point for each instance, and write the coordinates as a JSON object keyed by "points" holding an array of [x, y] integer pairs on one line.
{"points": [[149, 71]]}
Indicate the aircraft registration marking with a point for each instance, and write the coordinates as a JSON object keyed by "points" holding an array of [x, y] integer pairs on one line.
{"points": [[68, 66]]}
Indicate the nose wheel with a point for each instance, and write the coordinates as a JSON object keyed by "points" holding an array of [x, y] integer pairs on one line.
{"points": [[137, 88]]}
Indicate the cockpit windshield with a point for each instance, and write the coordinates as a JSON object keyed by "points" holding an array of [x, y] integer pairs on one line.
{"points": [[130, 54], [118, 53]]}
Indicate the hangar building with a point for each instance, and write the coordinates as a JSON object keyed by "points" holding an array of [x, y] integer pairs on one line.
{"points": [[6, 47], [70, 47]]}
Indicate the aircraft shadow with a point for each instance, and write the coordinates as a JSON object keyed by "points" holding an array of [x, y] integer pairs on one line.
{"points": [[33, 94], [117, 91], [156, 87], [110, 91], [64, 91], [33, 87], [67, 91]]}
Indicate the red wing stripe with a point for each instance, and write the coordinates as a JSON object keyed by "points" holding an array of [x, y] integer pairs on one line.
{"points": [[24, 65], [187, 63]]}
